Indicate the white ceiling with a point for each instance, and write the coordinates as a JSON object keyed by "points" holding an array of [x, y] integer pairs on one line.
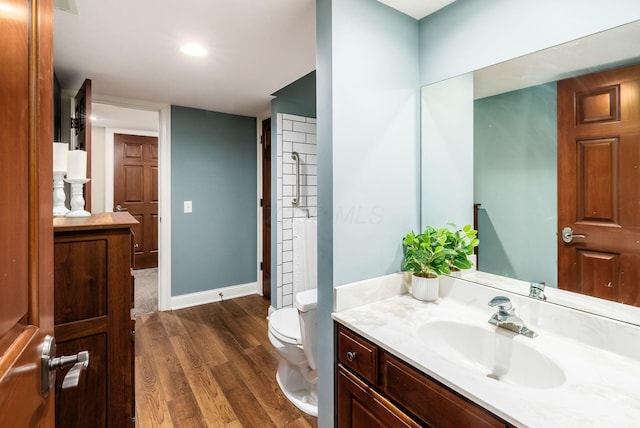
{"points": [[130, 48]]}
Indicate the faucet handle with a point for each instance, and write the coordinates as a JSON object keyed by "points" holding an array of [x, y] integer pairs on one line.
{"points": [[503, 303], [536, 290]]}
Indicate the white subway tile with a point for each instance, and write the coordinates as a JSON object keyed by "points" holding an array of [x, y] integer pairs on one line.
{"points": [[287, 267], [287, 223], [279, 122], [287, 256], [279, 300], [311, 190], [287, 168], [288, 180], [287, 278], [307, 128], [287, 234], [312, 180], [310, 170], [287, 300], [312, 201], [311, 159], [287, 246], [287, 148], [311, 120], [279, 144], [293, 117], [287, 288], [287, 212], [305, 148], [312, 139], [296, 137], [287, 125]]}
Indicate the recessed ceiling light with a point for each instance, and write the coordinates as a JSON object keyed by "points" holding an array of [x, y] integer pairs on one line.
{"points": [[193, 49]]}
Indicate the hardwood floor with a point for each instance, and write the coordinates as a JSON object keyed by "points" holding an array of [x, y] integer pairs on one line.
{"points": [[210, 366]]}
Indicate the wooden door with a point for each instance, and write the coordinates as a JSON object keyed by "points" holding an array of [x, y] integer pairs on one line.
{"points": [[82, 124], [266, 207], [26, 220], [599, 184], [136, 191]]}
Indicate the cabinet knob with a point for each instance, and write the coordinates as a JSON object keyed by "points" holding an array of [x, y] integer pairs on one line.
{"points": [[351, 356]]}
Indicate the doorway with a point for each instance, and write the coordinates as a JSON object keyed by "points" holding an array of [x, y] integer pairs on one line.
{"points": [[111, 118], [265, 203]]}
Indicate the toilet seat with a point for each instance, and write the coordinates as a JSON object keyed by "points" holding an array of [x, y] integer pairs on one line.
{"points": [[284, 324]]}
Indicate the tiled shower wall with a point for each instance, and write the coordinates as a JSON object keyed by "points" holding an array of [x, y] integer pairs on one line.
{"points": [[295, 134]]}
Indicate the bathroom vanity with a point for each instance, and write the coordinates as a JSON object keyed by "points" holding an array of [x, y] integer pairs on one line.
{"points": [[374, 386], [403, 362], [93, 287]]}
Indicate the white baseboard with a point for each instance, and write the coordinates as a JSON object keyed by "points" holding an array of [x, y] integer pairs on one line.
{"points": [[215, 295]]}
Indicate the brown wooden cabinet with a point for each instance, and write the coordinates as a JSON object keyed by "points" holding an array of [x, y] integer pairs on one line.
{"points": [[375, 389], [93, 291]]}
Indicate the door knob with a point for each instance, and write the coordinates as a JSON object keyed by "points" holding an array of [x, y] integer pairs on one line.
{"points": [[50, 364], [568, 235], [120, 209]]}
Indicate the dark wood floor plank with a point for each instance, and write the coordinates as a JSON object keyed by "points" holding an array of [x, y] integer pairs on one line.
{"points": [[150, 402], [233, 323], [213, 404], [174, 382], [205, 336], [185, 412], [244, 403]]}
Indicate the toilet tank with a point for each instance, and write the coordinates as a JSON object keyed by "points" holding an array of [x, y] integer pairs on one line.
{"points": [[306, 303], [305, 254]]}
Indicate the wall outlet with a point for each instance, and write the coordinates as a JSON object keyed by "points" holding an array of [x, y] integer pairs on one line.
{"points": [[188, 207]]}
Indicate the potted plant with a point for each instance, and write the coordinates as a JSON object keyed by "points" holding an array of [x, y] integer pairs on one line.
{"points": [[426, 256], [459, 246]]}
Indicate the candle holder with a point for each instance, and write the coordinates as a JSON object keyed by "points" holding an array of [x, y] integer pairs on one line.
{"points": [[77, 198], [59, 197]]}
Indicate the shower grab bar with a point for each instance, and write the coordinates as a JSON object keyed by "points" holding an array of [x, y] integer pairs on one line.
{"points": [[296, 157]]}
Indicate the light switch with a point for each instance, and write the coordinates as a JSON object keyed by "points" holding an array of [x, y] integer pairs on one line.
{"points": [[188, 207]]}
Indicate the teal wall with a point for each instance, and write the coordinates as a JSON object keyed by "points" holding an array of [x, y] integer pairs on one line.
{"points": [[368, 153], [515, 161], [297, 98], [213, 164]]}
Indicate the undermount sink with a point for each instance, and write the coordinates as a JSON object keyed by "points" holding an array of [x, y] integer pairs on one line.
{"points": [[492, 352]]}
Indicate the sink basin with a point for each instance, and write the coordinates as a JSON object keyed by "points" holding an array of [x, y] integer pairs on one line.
{"points": [[492, 352]]}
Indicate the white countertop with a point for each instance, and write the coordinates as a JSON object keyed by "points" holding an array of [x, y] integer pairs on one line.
{"points": [[601, 388]]}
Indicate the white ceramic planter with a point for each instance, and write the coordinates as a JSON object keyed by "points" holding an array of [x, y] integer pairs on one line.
{"points": [[425, 288]]}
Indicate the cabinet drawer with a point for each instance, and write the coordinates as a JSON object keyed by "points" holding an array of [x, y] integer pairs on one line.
{"points": [[430, 401], [358, 354]]}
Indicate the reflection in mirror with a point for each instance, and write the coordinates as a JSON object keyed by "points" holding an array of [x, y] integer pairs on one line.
{"points": [[515, 159]]}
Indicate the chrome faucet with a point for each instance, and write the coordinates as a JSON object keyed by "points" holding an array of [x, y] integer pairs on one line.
{"points": [[536, 290], [506, 318]]}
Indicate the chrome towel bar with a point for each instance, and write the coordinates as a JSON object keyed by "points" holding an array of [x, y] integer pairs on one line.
{"points": [[296, 157]]}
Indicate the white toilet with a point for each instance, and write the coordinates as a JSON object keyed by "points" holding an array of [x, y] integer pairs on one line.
{"points": [[293, 331]]}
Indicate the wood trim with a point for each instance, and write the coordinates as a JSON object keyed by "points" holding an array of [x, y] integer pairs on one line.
{"points": [[82, 328], [15, 341]]}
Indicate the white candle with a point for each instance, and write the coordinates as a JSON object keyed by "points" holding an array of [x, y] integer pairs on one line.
{"points": [[77, 164], [60, 156]]}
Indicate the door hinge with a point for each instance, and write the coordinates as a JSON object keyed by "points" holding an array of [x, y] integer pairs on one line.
{"points": [[261, 265], [260, 201]]}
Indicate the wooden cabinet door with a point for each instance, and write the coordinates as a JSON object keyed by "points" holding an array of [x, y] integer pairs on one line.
{"points": [[26, 162], [359, 406]]}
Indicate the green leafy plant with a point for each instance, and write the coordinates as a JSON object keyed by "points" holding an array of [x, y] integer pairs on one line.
{"points": [[460, 244], [426, 254]]}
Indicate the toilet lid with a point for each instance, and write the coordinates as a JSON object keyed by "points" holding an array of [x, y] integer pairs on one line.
{"points": [[286, 324]]}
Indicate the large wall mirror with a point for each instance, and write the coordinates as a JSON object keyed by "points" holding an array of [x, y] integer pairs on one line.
{"points": [[511, 116]]}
